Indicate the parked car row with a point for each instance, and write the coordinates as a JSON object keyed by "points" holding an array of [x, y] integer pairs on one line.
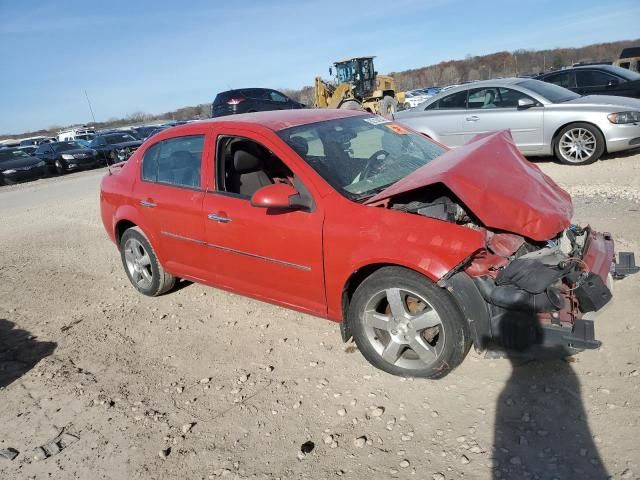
{"points": [[83, 148]]}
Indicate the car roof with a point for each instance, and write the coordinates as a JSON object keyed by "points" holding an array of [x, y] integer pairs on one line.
{"points": [[280, 119]]}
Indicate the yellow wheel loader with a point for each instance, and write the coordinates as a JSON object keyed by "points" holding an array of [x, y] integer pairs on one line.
{"points": [[357, 86]]}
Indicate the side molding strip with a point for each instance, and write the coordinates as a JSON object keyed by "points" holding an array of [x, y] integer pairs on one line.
{"points": [[239, 252]]}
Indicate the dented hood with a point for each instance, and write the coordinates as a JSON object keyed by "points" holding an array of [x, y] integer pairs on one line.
{"points": [[498, 185]]}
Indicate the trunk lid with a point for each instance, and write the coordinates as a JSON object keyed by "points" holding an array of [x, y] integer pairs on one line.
{"points": [[498, 185]]}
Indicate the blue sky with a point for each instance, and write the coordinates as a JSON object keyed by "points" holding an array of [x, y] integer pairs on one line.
{"points": [[154, 56]]}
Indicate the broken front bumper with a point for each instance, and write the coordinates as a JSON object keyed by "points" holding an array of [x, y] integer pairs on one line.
{"points": [[540, 298]]}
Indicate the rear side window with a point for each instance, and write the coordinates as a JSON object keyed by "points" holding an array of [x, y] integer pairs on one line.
{"points": [[455, 101], [176, 161]]}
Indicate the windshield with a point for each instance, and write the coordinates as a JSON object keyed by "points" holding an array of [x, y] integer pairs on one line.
{"points": [[119, 138], [623, 72], [553, 93], [64, 146], [345, 72], [11, 154], [360, 156]]}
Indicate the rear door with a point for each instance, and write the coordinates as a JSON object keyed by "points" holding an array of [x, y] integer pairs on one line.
{"points": [[445, 119], [496, 108], [169, 197]]}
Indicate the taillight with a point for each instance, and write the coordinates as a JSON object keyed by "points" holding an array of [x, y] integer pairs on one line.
{"points": [[235, 101]]}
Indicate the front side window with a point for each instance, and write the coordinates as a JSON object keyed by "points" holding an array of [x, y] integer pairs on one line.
{"points": [[243, 166], [495, 97], [593, 78], [176, 161], [359, 156], [483, 98], [454, 101]]}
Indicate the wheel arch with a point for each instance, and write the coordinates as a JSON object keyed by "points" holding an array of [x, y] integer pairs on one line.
{"points": [[126, 217], [566, 124]]}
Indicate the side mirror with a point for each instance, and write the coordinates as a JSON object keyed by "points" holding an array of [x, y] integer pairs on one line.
{"points": [[613, 82], [524, 103], [279, 196], [330, 72]]}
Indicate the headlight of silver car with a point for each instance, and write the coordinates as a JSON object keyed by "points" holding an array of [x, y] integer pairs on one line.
{"points": [[624, 117], [66, 156]]}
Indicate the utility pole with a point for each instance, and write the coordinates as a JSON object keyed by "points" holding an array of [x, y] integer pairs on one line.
{"points": [[90, 108]]}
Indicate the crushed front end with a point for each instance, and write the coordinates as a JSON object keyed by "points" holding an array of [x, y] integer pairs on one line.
{"points": [[537, 293]]}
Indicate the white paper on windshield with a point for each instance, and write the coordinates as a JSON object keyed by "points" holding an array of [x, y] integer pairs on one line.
{"points": [[376, 120]]}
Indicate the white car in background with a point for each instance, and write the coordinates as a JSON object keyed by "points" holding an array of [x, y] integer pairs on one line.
{"points": [[413, 98]]}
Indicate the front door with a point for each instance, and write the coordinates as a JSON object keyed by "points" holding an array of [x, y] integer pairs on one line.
{"points": [[496, 108], [271, 255]]}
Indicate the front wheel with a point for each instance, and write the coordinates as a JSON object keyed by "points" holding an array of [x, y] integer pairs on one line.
{"points": [[59, 167], [142, 266], [406, 325], [579, 144]]}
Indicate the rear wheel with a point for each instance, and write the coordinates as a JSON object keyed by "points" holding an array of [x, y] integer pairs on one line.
{"points": [[406, 325], [579, 144], [387, 105], [142, 266]]}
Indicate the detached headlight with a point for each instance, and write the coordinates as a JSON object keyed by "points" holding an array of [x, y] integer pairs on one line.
{"points": [[8, 172], [624, 117], [66, 156]]}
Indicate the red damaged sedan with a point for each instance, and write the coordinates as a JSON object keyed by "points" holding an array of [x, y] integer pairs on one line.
{"points": [[419, 251]]}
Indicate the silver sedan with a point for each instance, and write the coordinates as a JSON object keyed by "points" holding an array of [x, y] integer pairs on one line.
{"points": [[544, 119]]}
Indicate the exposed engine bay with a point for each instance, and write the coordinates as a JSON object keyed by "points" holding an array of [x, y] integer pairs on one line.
{"points": [[552, 281]]}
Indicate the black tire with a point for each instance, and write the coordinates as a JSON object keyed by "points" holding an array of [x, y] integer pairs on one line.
{"points": [[59, 168], [387, 105], [590, 133], [450, 343], [350, 105], [160, 281]]}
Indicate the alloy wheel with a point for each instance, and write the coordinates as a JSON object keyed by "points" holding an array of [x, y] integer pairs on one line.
{"points": [[138, 263], [577, 145], [403, 328]]}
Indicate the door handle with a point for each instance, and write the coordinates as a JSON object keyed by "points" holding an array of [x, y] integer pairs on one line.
{"points": [[218, 218], [146, 203], [473, 118]]}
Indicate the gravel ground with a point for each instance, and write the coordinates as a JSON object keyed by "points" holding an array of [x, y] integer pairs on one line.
{"points": [[201, 383]]}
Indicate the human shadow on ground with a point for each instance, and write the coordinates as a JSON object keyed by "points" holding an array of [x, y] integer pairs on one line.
{"points": [[19, 352], [541, 426]]}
